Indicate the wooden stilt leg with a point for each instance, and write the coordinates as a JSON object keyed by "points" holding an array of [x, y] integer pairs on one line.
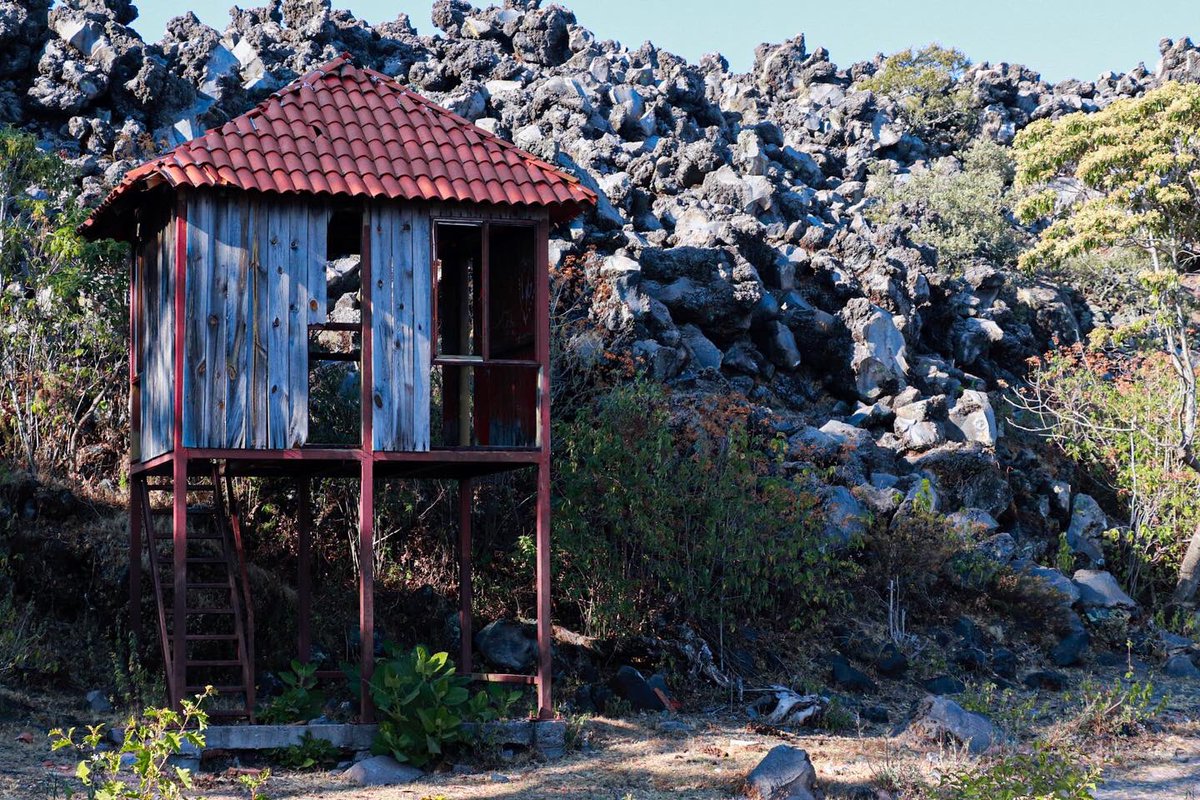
{"points": [[304, 569], [366, 586], [465, 589], [135, 560], [544, 632], [179, 610]]}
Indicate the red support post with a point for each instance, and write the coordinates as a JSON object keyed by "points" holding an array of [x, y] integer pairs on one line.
{"points": [[366, 497], [304, 569], [465, 589], [544, 630], [366, 584], [135, 559], [180, 468]]}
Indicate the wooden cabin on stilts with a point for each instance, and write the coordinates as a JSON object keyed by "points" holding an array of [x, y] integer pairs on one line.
{"points": [[230, 316]]}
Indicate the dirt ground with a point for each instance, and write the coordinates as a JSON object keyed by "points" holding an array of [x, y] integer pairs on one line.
{"points": [[642, 757]]}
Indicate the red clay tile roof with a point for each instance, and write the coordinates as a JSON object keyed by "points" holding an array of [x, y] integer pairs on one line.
{"points": [[345, 130]]}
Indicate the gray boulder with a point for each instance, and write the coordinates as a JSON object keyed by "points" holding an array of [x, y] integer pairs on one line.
{"points": [[940, 719], [1181, 666], [381, 771], [508, 644], [879, 359], [1056, 581], [785, 773], [1099, 589], [1088, 524], [846, 519], [973, 419]]}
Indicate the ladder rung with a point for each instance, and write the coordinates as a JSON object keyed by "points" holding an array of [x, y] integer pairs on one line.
{"points": [[214, 662], [211, 637], [192, 537], [192, 487]]}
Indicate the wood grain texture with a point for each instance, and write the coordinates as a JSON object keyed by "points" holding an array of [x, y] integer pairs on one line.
{"points": [[422, 259], [198, 295], [299, 276], [238, 346], [259, 238], [318, 252]]}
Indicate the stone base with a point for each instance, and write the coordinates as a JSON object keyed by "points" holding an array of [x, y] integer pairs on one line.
{"points": [[547, 739]]}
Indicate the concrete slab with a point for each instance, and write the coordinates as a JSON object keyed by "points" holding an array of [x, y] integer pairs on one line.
{"points": [[267, 737]]}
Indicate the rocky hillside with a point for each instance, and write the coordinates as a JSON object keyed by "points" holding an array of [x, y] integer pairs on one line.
{"points": [[732, 229]]}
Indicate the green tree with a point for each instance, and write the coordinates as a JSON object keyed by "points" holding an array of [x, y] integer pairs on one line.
{"points": [[926, 84], [961, 206], [1128, 177]]}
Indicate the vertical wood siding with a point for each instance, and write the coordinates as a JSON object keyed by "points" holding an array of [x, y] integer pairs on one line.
{"points": [[256, 266], [157, 341]]}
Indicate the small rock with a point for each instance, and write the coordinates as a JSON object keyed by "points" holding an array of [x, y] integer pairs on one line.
{"points": [[381, 771], [1180, 666], [786, 773], [1045, 679], [848, 677], [891, 662], [630, 685], [944, 684], [98, 702]]}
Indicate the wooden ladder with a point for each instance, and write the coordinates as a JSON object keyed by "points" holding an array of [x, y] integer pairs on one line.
{"points": [[219, 616]]}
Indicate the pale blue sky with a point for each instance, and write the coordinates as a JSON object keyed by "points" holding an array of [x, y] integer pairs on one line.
{"points": [[1059, 38]]}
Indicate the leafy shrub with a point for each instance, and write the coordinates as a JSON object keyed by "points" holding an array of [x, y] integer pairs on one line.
{"points": [[689, 512], [1012, 710], [62, 347], [1121, 708], [423, 705], [1043, 774], [926, 84], [301, 701], [150, 743], [961, 206], [1115, 411], [913, 550]]}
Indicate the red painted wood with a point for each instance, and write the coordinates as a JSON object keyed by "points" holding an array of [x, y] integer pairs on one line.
{"points": [[465, 589], [136, 494], [179, 466], [366, 499], [544, 633], [304, 568]]}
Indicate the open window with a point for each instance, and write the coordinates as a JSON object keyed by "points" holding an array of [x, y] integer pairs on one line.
{"points": [[485, 367], [335, 346]]}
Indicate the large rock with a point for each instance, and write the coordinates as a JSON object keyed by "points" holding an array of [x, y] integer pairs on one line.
{"points": [[1085, 534], [973, 419], [879, 360], [1058, 583], [846, 519], [940, 719], [966, 476], [1099, 589], [508, 644], [786, 773], [381, 771]]}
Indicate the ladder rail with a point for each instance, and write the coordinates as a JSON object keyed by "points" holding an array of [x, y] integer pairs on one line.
{"points": [[150, 537], [226, 520]]}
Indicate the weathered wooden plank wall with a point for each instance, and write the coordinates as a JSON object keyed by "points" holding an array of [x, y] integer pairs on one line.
{"points": [[251, 263], [255, 281], [157, 341]]}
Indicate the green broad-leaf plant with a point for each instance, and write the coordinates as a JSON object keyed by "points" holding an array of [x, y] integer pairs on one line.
{"points": [[423, 704], [1128, 178]]}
